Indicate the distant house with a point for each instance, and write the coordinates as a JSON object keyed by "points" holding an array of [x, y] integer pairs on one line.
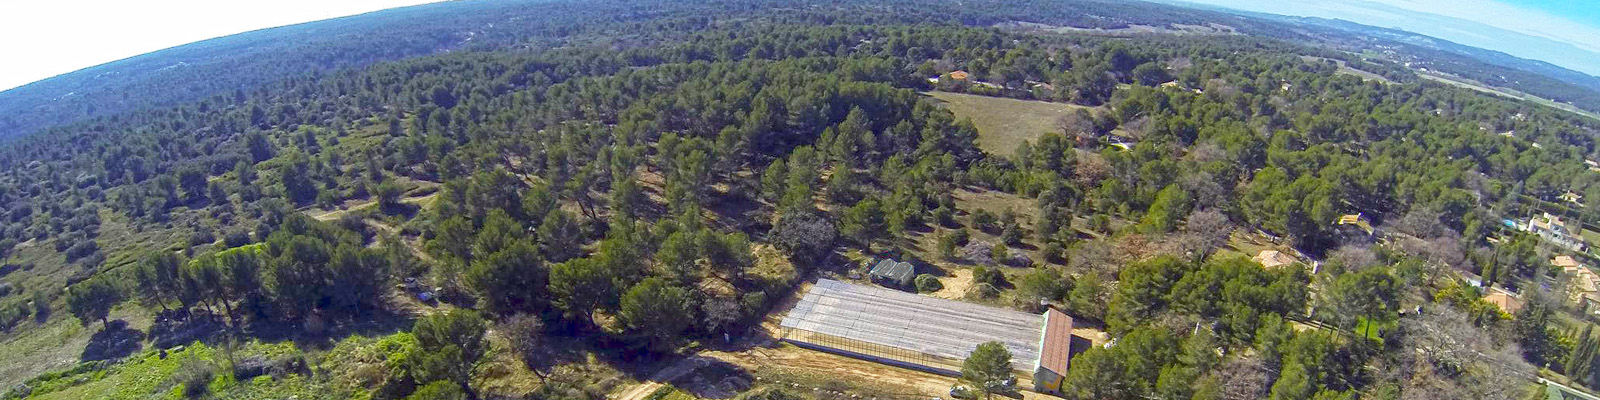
{"points": [[1356, 221], [1121, 140], [1506, 301], [1554, 230], [1564, 262], [1274, 259], [1583, 285], [1573, 198], [959, 75], [893, 273], [1472, 279]]}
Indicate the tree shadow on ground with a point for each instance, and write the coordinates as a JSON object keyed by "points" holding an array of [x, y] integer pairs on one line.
{"points": [[310, 333], [41, 315], [173, 328], [738, 212], [714, 379], [556, 350], [115, 341], [401, 209]]}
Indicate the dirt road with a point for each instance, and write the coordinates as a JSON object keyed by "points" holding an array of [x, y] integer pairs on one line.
{"points": [[674, 371]]}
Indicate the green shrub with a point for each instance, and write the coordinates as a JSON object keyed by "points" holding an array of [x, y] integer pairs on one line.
{"points": [[1012, 235], [989, 276], [984, 221], [1053, 252], [986, 291], [195, 376], [1000, 253], [438, 390], [947, 246], [928, 283], [961, 237]]}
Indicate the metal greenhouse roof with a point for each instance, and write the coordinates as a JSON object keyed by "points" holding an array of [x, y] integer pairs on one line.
{"points": [[939, 327], [891, 269]]}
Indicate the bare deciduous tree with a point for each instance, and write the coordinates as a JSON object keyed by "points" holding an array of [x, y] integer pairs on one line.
{"points": [[720, 311], [1205, 230], [525, 332], [1208, 193], [1077, 123], [1243, 378], [1444, 356], [1354, 257], [1420, 222]]}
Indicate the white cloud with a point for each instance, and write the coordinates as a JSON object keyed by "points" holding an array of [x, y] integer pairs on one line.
{"points": [[47, 38], [1505, 16]]}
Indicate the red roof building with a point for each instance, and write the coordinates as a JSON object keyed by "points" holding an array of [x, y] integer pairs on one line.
{"points": [[1055, 352]]}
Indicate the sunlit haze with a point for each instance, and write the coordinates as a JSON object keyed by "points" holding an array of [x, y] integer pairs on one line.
{"points": [[1561, 32], [49, 38]]}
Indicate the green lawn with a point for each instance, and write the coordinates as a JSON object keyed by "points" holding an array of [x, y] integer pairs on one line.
{"points": [[1003, 123]]}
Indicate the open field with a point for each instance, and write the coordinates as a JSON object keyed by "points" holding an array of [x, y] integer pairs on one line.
{"points": [[1463, 83], [1344, 68], [1003, 123]]}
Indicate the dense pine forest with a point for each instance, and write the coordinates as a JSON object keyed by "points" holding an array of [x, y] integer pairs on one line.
{"points": [[548, 212]]}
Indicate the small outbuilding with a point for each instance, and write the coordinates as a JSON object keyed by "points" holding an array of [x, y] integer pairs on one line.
{"points": [[1055, 353], [1273, 259], [889, 272]]}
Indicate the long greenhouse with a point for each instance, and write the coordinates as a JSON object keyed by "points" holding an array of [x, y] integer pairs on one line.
{"points": [[915, 331]]}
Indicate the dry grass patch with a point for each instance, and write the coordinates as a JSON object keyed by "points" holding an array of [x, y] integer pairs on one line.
{"points": [[1002, 122]]}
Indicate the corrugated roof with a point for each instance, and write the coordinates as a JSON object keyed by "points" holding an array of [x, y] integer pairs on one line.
{"points": [[893, 269], [1056, 352], [928, 325]]}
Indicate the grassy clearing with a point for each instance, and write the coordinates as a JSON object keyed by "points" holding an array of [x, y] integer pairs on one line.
{"points": [[149, 375], [1003, 123], [1344, 68], [33, 347], [1590, 236], [1461, 83], [1468, 84]]}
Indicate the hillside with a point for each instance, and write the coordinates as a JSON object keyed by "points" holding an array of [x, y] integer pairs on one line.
{"points": [[598, 204], [234, 65]]}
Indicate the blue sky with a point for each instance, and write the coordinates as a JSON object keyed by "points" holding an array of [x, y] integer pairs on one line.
{"points": [[1584, 11], [1561, 32], [60, 36], [41, 39]]}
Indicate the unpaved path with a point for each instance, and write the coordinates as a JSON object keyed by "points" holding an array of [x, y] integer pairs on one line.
{"points": [[329, 215], [955, 285], [674, 371]]}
